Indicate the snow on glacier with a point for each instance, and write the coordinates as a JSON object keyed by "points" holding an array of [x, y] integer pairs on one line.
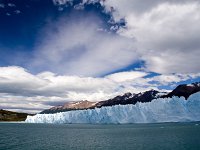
{"points": [[160, 110]]}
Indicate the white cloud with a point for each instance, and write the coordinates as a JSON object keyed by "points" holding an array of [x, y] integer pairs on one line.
{"points": [[17, 80], [173, 78], [167, 36], [162, 34], [79, 48], [126, 76]]}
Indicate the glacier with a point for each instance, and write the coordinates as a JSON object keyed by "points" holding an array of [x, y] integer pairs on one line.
{"points": [[173, 109]]}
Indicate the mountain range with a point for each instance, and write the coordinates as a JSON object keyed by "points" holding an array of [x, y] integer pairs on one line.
{"points": [[184, 90]]}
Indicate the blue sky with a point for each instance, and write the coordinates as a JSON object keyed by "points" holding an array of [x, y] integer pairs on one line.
{"points": [[94, 49], [23, 23]]}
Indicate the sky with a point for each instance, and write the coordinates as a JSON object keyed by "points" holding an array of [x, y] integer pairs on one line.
{"points": [[56, 51]]}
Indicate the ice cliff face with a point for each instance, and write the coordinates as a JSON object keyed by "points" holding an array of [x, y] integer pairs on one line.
{"points": [[160, 110]]}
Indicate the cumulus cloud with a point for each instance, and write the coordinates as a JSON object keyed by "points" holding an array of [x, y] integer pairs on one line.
{"points": [[17, 80], [20, 89], [154, 34], [165, 32], [166, 35]]}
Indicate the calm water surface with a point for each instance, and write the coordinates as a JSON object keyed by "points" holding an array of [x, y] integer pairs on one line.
{"points": [[165, 136]]}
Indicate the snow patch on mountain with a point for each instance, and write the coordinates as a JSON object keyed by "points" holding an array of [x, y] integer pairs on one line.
{"points": [[160, 110]]}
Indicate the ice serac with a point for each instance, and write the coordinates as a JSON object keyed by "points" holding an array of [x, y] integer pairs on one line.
{"points": [[173, 109]]}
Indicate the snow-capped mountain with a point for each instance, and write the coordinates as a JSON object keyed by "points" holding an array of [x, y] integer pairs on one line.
{"points": [[128, 98]]}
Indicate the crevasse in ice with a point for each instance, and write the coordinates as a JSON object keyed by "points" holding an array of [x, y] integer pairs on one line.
{"points": [[160, 110]]}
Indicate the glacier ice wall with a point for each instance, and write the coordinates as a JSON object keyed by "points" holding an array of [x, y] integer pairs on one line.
{"points": [[160, 110]]}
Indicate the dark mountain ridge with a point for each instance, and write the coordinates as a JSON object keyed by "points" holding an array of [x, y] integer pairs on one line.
{"points": [[129, 98], [184, 90]]}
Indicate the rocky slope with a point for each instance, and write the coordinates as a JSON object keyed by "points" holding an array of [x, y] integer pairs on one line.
{"points": [[71, 106], [184, 90], [129, 98], [12, 116]]}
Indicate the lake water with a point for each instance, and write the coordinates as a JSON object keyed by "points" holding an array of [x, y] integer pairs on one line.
{"points": [[164, 136]]}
